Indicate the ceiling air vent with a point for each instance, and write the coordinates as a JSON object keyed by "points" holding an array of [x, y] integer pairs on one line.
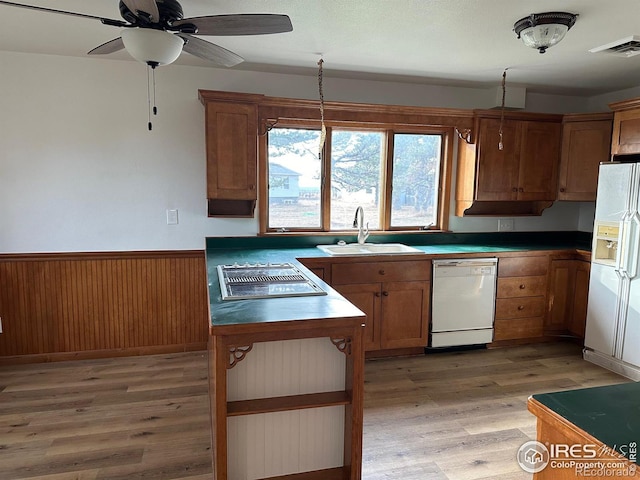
{"points": [[625, 47]]}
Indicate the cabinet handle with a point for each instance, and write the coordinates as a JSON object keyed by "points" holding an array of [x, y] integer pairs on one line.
{"points": [[522, 287], [563, 189], [514, 189], [386, 294], [377, 294], [520, 307], [381, 272], [521, 189], [252, 187]]}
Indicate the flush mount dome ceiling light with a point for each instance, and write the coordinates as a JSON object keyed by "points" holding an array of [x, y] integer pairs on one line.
{"points": [[544, 30]]}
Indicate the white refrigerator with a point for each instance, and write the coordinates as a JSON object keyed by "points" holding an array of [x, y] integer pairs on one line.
{"points": [[612, 337]]}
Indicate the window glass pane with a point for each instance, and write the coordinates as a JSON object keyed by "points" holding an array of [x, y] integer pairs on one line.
{"points": [[416, 175], [294, 171], [356, 166]]}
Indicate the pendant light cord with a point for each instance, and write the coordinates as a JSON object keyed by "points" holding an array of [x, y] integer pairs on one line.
{"points": [[323, 129], [504, 91]]}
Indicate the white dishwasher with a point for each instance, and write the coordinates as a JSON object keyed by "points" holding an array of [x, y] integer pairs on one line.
{"points": [[463, 301]]}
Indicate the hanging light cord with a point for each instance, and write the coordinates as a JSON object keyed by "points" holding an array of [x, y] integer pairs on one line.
{"points": [[151, 92], [504, 91], [323, 129]]}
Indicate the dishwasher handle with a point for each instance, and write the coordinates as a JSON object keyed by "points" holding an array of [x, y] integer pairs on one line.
{"points": [[484, 262]]}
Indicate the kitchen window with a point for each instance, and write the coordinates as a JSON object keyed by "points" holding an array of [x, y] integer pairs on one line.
{"points": [[396, 175]]}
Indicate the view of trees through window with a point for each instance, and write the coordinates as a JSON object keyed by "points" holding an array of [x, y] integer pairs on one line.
{"points": [[357, 162]]}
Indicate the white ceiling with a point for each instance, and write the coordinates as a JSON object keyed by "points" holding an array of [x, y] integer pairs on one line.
{"points": [[453, 42]]}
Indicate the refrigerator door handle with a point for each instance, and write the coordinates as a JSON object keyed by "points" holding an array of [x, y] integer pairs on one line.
{"points": [[631, 267], [619, 269]]}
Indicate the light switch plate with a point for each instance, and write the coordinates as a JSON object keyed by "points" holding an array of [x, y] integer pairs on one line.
{"points": [[505, 225], [172, 217]]}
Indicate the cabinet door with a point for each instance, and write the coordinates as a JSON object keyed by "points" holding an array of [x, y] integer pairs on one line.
{"points": [[232, 142], [584, 146], [578, 317], [561, 295], [497, 170], [405, 314], [539, 161], [366, 296], [626, 132]]}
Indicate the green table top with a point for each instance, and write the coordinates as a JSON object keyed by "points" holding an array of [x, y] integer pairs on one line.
{"points": [[610, 414]]}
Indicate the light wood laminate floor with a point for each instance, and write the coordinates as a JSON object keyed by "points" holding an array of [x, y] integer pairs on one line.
{"points": [[442, 416]]}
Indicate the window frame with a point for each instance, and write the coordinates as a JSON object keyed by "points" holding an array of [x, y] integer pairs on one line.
{"points": [[296, 113], [388, 131]]}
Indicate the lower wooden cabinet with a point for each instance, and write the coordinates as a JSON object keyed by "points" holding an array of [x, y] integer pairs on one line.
{"points": [[397, 313], [397, 310], [521, 298], [568, 295]]}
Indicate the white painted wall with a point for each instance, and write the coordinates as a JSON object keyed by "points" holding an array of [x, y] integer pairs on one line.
{"points": [[80, 172]]}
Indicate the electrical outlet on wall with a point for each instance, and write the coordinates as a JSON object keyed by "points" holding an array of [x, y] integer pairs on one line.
{"points": [[505, 225]]}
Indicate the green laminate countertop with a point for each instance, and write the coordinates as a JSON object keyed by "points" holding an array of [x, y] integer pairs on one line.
{"points": [[268, 310], [610, 414], [253, 250]]}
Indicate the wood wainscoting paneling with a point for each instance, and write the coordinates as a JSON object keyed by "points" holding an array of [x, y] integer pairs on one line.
{"points": [[81, 305]]}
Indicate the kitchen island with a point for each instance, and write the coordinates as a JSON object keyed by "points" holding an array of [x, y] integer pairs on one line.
{"points": [[591, 432], [286, 384]]}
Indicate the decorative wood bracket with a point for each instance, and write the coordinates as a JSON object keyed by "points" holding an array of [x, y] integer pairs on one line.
{"points": [[464, 134], [237, 354], [343, 345], [268, 125]]}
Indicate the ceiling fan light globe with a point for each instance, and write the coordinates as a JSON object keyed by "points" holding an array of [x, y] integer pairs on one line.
{"points": [[542, 37], [152, 47]]}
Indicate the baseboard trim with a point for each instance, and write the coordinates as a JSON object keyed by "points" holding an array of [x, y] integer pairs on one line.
{"points": [[94, 354], [618, 366]]}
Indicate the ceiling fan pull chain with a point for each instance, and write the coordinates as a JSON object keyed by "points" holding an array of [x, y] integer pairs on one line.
{"points": [[149, 97], [153, 76]]}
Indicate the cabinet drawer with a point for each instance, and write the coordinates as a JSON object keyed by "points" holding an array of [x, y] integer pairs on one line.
{"points": [[510, 287], [521, 266], [520, 307], [377, 272], [514, 328]]}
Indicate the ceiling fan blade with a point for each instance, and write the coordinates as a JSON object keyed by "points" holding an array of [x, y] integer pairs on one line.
{"points": [[109, 47], [240, 24], [106, 21], [209, 51], [150, 7]]}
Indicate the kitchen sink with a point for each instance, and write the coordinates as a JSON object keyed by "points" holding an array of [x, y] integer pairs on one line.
{"points": [[370, 249]]}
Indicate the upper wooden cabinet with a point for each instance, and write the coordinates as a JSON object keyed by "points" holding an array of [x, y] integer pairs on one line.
{"points": [[626, 127], [520, 179], [586, 142], [232, 157]]}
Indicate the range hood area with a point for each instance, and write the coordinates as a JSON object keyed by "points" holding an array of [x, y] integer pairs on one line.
{"points": [[242, 282]]}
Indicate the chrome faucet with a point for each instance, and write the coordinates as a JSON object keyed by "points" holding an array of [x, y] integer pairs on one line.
{"points": [[358, 222]]}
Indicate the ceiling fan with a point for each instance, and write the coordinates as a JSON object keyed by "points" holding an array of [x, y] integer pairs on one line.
{"points": [[155, 32]]}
